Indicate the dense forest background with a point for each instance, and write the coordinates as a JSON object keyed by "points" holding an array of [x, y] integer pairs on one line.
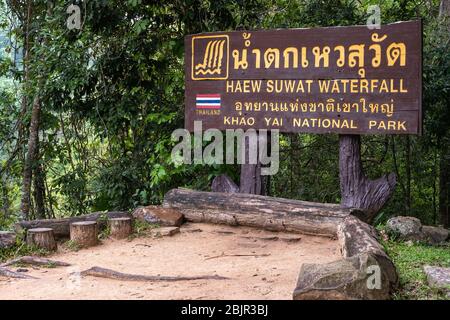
{"points": [[86, 115]]}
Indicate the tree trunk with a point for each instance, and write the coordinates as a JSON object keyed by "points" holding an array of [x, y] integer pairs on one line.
{"points": [[357, 191], [121, 228], [223, 183], [42, 238], [444, 183], [39, 192], [444, 8], [251, 180], [84, 233], [444, 161], [5, 197], [269, 213], [408, 174], [30, 159]]}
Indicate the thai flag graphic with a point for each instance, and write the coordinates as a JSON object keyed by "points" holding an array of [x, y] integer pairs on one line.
{"points": [[207, 101]]}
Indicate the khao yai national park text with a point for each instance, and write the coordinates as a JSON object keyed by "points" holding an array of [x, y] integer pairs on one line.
{"points": [[224, 159]]}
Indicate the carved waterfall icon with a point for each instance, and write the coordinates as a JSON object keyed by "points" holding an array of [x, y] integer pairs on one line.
{"points": [[212, 59]]}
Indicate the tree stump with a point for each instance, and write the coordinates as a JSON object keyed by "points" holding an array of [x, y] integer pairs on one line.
{"points": [[41, 238], [121, 228], [84, 233]]}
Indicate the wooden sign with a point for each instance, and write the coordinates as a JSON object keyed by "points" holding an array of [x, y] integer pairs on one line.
{"points": [[349, 80]]}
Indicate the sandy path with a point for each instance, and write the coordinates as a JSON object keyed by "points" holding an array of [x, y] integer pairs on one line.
{"points": [[267, 277]]}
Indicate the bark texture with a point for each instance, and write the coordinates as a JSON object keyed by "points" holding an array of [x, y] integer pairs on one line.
{"points": [[84, 233], [251, 180], [30, 159], [121, 228], [358, 191], [270, 213], [42, 238], [111, 274], [223, 183], [36, 261], [61, 228]]}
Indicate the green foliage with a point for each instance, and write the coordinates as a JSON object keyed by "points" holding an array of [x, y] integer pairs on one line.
{"points": [[112, 93], [71, 245], [20, 249], [141, 228], [409, 260]]}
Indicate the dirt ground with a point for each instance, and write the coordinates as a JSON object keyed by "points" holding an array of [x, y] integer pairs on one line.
{"points": [[200, 249]]}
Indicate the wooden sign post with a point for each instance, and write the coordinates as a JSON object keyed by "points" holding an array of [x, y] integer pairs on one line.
{"points": [[345, 80]]}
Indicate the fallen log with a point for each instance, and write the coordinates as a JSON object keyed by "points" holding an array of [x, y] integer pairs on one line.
{"points": [[11, 274], [61, 227], [35, 261], [276, 214], [111, 274]]}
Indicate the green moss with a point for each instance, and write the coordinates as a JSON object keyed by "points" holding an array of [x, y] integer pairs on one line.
{"points": [[410, 258]]}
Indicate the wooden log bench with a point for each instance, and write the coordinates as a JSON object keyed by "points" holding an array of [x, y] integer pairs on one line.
{"points": [[275, 214]]}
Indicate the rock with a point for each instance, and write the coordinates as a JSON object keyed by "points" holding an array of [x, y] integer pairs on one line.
{"points": [[7, 239], [435, 235], [344, 279], [405, 228], [223, 183], [159, 215], [166, 231], [438, 277]]}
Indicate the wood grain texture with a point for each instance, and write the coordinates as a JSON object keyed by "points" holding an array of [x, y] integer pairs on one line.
{"points": [[61, 228], [358, 191], [276, 214]]}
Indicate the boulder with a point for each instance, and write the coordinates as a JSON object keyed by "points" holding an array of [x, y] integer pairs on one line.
{"points": [[223, 183], [351, 278], [435, 235], [7, 239], [405, 228], [159, 215], [438, 277]]}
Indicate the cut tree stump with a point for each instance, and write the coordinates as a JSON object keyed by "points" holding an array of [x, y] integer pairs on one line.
{"points": [[121, 228], [84, 233], [42, 238], [61, 227], [251, 210]]}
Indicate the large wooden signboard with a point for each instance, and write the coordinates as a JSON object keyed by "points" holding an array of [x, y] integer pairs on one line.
{"points": [[340, 79]]}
